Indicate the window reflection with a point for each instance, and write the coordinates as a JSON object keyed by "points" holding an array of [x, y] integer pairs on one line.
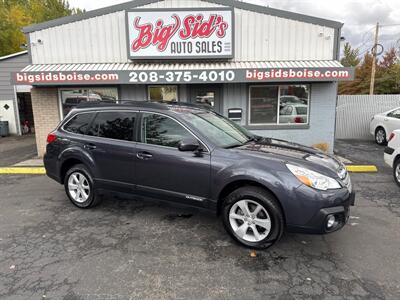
{"points": [[163, 131], [72, 97], [284, 104]]}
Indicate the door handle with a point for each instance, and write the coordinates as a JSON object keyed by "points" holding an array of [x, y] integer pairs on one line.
{"points": [[144, 155], [89, 146], [385, 119]]}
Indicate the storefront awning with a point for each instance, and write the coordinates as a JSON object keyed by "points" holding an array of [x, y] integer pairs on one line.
{"points": [[183, 73]]}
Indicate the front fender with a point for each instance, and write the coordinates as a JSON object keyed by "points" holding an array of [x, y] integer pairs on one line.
{"points": [[273, 175]]}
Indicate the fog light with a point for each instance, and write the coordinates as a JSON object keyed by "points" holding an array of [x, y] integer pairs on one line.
{"points": [[330, 221]]}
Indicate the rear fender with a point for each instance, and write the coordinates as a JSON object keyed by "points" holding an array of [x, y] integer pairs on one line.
{"points": [[78, 154]]}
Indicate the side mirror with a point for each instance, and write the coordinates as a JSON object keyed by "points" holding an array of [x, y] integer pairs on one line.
{"points": [[188, 145]]}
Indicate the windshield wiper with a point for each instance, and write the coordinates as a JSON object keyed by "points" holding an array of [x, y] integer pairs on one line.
{"points": [[233, 146], [254, 138]]}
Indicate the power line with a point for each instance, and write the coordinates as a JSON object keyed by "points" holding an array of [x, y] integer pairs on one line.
{"points": [[389, 25]]}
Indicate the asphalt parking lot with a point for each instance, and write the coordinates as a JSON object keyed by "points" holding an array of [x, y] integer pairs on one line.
{"points": [[126, 249]]}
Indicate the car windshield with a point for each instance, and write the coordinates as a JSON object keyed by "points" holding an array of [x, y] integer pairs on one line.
{"points": [[221, 131]]}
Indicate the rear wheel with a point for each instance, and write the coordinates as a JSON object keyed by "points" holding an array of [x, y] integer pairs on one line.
{"points": [[380, 136], [396, 171], [78, 184], [252, 217]]}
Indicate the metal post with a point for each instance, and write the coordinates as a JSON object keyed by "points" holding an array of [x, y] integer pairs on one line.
{"points": [[373, 70]]}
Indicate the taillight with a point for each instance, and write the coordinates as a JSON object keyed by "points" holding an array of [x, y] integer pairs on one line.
{"points": [[298, 120], [391, 136], [51, 137]]}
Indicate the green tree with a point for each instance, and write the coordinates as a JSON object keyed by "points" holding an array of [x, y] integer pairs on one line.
{"points": [[15, 14], [388, 74], [350, 56], [362, 78]]}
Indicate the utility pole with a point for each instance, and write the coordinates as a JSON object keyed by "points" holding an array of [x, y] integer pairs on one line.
{"points": [[374, 48]]}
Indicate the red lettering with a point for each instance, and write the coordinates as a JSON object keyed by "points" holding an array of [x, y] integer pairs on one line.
{"points": [[196, 26], [160, 37]]}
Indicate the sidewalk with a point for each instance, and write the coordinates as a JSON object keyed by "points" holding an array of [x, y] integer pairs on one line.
{"points": [[15, 149]]}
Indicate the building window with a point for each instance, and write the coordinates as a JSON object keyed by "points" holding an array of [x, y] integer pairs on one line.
{"points": [[279, 105], [70, 98], [163, 93]]}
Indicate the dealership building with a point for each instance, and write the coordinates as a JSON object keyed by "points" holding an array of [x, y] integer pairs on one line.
{"points": [[275, 72]]}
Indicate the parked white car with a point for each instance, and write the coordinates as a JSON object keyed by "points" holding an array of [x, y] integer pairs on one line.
{"points": [[293, 113], [383, 124], [392, 154]]}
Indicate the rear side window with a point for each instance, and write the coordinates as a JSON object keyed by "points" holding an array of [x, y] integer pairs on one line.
{"points": [[114, 125], [79, 123]]}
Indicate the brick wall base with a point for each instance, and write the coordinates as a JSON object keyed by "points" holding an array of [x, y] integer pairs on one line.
{"points": [[46, 114]]}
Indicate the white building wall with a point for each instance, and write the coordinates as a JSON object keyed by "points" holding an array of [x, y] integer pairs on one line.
{"points": [[258, 37]]}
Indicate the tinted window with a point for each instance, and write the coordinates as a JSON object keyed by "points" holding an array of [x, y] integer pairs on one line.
{"points": [[114, 125], [163, 131], [79, 123]]}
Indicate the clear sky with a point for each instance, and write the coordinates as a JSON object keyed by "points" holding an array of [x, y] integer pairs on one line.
{"points": [[359, 16]]}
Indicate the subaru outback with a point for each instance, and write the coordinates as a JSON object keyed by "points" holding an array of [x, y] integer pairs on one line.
{"points": [[258, 186]]}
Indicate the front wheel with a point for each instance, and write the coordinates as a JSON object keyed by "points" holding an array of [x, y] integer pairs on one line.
{"points": [[252, 217], [396, 171]]}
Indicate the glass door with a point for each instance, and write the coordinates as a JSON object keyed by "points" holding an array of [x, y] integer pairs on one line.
{"points": [[207, 95]]}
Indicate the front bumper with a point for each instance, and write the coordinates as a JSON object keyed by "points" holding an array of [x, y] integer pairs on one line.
{"points": [[318, 223]]}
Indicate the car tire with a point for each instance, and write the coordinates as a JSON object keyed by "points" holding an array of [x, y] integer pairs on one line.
{"points": [[242, 228], [380, 136], [78, 183], [396, 171]]}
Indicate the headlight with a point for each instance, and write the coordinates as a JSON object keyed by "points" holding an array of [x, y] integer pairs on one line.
{"points": [[313, 179]]}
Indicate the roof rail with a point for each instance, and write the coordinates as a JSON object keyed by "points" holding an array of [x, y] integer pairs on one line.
{"points": [[146, 104], [108, 103]]}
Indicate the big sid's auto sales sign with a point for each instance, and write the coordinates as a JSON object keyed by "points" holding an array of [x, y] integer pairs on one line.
{"points": [[180, 33]]}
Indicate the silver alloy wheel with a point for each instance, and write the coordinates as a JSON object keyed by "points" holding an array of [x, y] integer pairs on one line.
{"points": [[397, 173], [380, 136], [249, 220], [78, 187]]}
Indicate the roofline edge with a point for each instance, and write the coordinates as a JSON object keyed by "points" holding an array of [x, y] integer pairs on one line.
{"points": [[14, 55], [137, 3]]}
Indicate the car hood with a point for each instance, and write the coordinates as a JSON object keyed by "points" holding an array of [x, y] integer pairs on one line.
{"points": [[294, 153]]}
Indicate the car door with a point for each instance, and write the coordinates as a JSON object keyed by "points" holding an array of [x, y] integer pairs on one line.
{"points": [[110, 142], [164, 172], [393, 121]]}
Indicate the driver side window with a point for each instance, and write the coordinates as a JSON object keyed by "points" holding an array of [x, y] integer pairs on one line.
{"points": [[163, 131]]}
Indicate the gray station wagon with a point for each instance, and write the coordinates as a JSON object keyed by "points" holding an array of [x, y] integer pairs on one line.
{"points": [[258, 186]]}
